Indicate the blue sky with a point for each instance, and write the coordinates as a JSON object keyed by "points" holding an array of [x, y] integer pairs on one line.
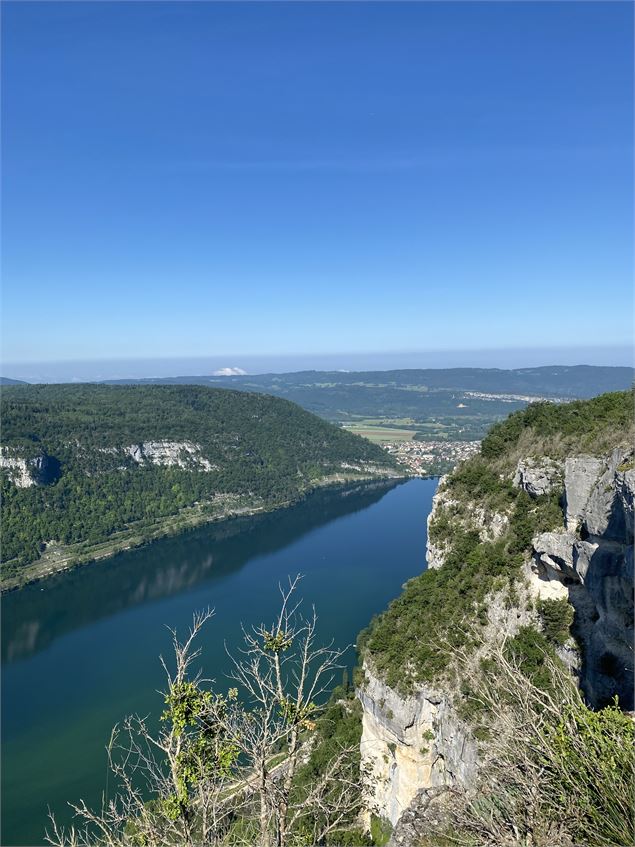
{"points": [[217, 180]]}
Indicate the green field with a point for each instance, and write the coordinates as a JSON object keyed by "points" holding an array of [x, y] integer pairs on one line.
{"points": [[381, 434]]}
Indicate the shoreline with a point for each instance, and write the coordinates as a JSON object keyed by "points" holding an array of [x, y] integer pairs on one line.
{"points": [[60, 559]]}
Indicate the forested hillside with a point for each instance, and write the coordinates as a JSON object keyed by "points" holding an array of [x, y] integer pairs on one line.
{"points": [[455, 404], [554, 381], [83, 462]]}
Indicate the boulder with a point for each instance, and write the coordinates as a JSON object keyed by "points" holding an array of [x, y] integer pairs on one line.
{"points": [[580, 475], [538, 476]]}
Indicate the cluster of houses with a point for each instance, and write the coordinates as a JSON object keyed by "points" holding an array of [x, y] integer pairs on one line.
{"points": [[423, 458]]}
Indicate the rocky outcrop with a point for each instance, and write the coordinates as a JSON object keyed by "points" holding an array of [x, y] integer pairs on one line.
{"points": [[538, 476], [18, 470], [426, 813], [580, 476], [409, 743], [436, 552], [182, 454], [413, 746], [489, 525], [23, 472], [591, 563]]}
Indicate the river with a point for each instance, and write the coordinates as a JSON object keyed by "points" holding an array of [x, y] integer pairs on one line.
{"points": [[81, 650]]}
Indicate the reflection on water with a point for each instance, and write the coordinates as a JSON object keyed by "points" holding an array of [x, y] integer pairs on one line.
{"points": [[81, 649], [35, 616]]}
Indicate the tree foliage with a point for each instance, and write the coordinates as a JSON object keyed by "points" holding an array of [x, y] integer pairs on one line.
{"points": [[259, 448], [583, 425]]}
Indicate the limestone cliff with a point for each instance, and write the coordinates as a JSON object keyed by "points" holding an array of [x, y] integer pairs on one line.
{"points": [[182, 454], [414, 743], [591, 563], [410, 743], [25, 471], [415, 740]]}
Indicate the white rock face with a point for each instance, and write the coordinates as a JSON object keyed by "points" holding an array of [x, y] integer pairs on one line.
{"points": [[417, 743], [24, 472], [491, 525], [19, 471], [544, 588], [538, 476], [182, 454], [592, 564], [556, 552], [410, 743], [435, 553], [580, 475]]}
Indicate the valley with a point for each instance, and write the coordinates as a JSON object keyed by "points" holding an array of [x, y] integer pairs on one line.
{"points": [[453, 406], [523, 547]]}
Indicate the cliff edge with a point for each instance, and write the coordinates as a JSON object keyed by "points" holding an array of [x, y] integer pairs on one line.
{"points": [[530, 545]]}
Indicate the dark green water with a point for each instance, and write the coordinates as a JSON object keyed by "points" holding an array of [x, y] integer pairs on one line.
{"points": [[81, 651]]}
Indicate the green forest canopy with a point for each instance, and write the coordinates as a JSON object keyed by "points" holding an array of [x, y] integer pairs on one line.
{"points": [[261, 447]]}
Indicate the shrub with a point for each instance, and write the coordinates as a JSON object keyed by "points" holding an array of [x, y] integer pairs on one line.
{"points": [[584, 425], [556, 772], [380, 830], [556, 617]]}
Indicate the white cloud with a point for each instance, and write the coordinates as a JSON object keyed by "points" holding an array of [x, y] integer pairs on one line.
{"points": [[230, 372]]}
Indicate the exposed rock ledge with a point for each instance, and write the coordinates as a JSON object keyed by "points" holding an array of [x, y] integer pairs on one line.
{"points": [[412, 745], [538, 476], [182, 454], [27, 472], [591, 563], [408, 743], [490, 525]]}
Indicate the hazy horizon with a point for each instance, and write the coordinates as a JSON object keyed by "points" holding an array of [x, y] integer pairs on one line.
{"points": [[509, 358]]}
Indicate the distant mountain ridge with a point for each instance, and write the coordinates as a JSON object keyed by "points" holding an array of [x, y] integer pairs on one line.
{"points": [[454, 404], [576, 381]]}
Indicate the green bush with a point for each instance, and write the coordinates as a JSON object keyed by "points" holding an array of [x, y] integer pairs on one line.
{"points": [[413, 640], [584, 425], [529, 649], [556, 617], [380, 830], [593, 762], [557, 772]]}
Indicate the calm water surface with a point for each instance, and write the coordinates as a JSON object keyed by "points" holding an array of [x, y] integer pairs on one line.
{"points": [[81, 651]]}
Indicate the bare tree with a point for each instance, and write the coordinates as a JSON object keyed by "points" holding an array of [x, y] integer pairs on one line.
{"points": [[285, 674], [222, 766], [171, 785]]}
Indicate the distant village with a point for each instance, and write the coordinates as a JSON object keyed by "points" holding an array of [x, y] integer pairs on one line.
{"points": [[426, 458], [515, 398]]}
